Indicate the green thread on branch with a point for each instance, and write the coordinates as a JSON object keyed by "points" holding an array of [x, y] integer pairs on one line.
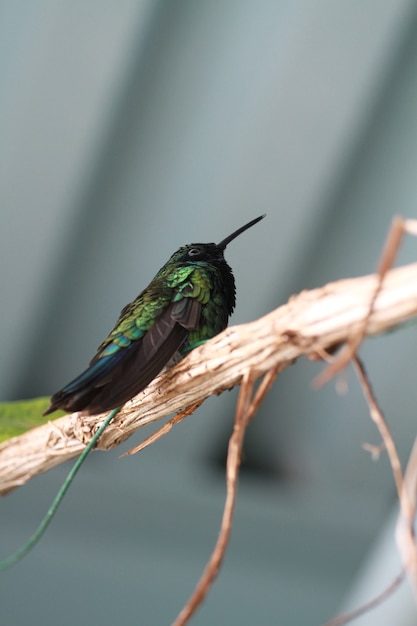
{"points": [[33, 540]]}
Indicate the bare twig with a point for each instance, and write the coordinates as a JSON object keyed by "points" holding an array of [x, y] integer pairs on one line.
{"points": [[263, 389], [405, 534], [406, 489], [345, 618], [398, 228], [312, 321], [381, 423], [232, 472], [374, 450], [405, 529], [165, 429], [245, 411]]}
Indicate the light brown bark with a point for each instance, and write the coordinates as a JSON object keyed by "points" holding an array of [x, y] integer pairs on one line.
{"points": [[308, 324]]}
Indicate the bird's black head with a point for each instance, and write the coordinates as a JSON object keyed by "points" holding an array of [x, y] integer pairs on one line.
{"points": [[211, 257], [209, 252]]}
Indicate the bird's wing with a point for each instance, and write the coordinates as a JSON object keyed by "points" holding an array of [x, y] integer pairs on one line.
{"points": [[134, 353]]}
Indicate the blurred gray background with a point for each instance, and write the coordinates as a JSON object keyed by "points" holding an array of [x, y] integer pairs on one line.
{"points": [[129, 128]]}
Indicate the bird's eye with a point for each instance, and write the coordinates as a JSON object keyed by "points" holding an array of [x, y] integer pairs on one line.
{"points": [[194, 252]]}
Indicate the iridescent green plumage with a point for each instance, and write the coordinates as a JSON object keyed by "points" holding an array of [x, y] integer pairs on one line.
{"points": [[188, 302]]}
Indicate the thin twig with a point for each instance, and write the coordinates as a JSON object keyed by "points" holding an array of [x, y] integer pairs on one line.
{"points": [[164, 430], [406, 506], [233, 461], [245, 411], [392, 244], [381, 423], [264, 387], [406, 497], [345, 618], [405, 527], [374, 450], [406, 489], [405, 533]]}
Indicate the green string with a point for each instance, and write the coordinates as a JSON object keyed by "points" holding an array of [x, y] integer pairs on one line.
{"points": [[33, 540]]}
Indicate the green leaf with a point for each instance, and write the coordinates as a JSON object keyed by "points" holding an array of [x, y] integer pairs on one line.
{"points": [[18, 417]]}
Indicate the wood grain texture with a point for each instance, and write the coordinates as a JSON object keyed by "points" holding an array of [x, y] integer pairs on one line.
{"points": [[308, 324]]}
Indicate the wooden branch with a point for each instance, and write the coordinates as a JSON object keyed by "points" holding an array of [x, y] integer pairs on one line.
{"points": [[232, 472], [309, 324]]}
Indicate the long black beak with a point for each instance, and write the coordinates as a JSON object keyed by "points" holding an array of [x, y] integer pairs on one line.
{"points": [[222, 245]]}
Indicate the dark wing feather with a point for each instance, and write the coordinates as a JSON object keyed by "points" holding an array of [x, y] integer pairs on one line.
{"points": [[114, 379], [135, 373], [186, 312]]}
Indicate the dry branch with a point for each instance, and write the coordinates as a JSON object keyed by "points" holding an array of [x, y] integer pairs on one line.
{"points": [[233, 461], [405, 532], [309, 324], [247, 406]]}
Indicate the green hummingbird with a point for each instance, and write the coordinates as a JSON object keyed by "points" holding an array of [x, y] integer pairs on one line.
{"points": [[188, 302]]}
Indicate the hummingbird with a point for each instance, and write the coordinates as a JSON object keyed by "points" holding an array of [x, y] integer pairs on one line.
{"points": [[188, 302]]}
